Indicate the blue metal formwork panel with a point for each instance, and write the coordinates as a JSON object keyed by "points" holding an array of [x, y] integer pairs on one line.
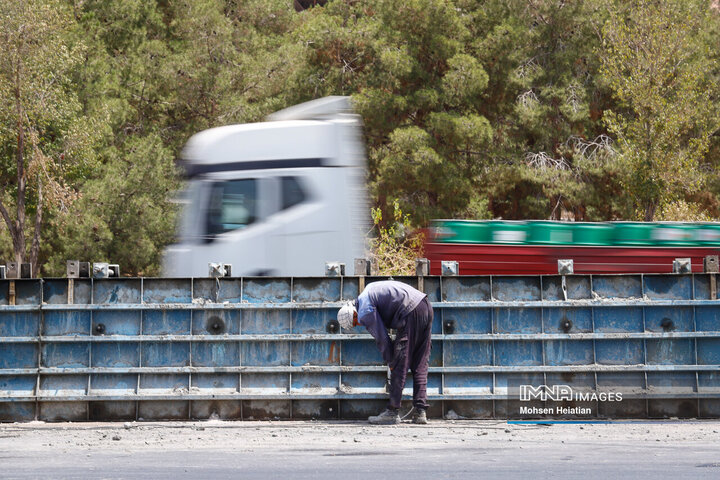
{"points": [[516, 288], [116, 322], [19, 324], [314, 383], [163, 384], [569, 352], [432, 287], [322, 289], [518, 320], [466, 289], [214, 383], [663, 319], [577, 287], [708, 351], [250, 348], [568, 320], [266, 290], [215, 354], [468, 383], [66, 355], [617, 319], [216, 322], [67, 322], [463, 320], [218, 290], [113, 384], [360, 353], [55, 291], [18, 355], [63, 385], [17, 411], [117, 290], [315, 352], [167, 290], [463, 353], [618, 286], [115, 354], [670, 351], [27, 292], [619, 352], [518, 353], [165, 354], [264, 353], [707, 318], [664, 287], [166, 322], [701, 287], [270, 322], [313, 321]]}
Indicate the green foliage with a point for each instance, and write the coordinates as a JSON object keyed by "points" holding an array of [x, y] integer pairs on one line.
{"points": [[682, 211], [45, 144], [393, 248], [655, 59], [587, 110]]}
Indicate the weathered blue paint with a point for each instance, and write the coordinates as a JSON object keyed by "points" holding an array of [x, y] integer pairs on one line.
{"points": [[158, 348]]}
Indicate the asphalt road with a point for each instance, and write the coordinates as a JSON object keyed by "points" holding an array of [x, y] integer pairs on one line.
{"points": [[351, 450]]}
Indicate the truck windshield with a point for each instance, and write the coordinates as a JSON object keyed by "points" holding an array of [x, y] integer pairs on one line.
{"points": [[233, 205]]}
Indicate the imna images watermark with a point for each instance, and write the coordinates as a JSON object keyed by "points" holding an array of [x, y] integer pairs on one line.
{"points": [[562, 393]]}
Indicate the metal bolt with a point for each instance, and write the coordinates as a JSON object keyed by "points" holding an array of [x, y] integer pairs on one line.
{"points": [[219, 269], [449, 268], [682, 266], [100, 270], [566, 267], [333, 326], [334, 269]]}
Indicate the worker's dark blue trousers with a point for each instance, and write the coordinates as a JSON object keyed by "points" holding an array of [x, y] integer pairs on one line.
{"points": [[412, 351]]}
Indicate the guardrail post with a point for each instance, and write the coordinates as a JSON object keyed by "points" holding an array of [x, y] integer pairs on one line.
{"points": [[710, 266], [362, 269], [422, 268]]}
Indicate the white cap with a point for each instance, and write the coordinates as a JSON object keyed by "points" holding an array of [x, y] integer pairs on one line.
{"points": [[346, 315]]}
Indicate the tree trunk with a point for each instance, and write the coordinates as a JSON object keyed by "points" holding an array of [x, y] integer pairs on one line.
{"points": [[35, 248], [650, 209], [18, 233]]}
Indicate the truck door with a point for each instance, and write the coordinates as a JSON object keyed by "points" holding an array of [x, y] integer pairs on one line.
{"points": [[235, 231]]}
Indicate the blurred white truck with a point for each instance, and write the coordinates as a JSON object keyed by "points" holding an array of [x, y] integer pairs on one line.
{"points": [[279, 198]]}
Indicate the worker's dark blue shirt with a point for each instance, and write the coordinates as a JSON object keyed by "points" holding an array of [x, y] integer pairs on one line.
{"points": [[384, 305]]}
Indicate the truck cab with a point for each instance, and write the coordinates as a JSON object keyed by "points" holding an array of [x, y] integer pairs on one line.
{"points": [[278, 198]]}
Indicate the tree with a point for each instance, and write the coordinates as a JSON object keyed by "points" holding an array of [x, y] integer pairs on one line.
{"points": [[44, 139], [417, 90], [656, 60], [544, 103]]}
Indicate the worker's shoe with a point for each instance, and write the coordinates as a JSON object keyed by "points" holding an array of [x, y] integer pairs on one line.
{"points": [[419, 417], [388, 417]]}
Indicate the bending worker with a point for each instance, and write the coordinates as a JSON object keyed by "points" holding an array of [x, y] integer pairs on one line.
{"points": [[390, 304]]}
